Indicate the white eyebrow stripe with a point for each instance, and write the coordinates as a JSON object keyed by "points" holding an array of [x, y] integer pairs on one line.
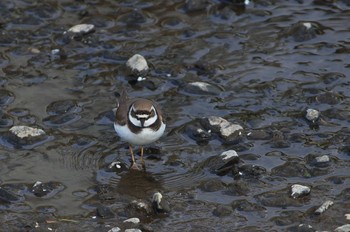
{"points": [[142, 115]]}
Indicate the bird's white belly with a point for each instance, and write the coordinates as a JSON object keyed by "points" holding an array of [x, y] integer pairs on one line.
{"points": [[146, 136]]}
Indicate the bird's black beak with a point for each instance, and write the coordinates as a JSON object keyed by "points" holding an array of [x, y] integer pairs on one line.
{"points": [[142, 120]]}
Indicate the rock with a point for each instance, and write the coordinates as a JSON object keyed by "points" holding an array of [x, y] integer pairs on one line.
{"points": [[25, 137], [211, 185], [115, 229], [312, 115], [138, 66], [81, 29], [138, 208], [302, 228], [201, 88], [160, 205], [303, 31], [134, 220], [46, 190], [344, 228], [104, 212], [133, 230], [23, 132], [298, 191], [246, 206], [196, 5], [117, 166], [322, 159], [223, 163], [259, 135], [7, 196], [202, 137], [222, 211], [6, 97], [324, 207], [226, 130], [250, 171]]}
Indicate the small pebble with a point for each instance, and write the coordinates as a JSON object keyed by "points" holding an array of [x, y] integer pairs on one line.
{"points": [[226, 128], [324, 207], [312, 115], [26, 131], [115, 229], [132, 220], [347, 216], [81, 29], [299, 190], [137, 63]]}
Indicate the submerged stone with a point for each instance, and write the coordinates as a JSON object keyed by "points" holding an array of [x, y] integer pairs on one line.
{"points": [[199, 87], [103, 211], [222, 211]]}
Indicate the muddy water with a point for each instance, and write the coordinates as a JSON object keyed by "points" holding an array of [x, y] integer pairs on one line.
{"points": [[266, 64]]}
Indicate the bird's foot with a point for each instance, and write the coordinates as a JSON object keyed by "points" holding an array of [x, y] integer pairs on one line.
{"points": [[134, 166]]}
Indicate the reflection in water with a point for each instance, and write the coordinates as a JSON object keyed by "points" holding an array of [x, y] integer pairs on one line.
{"points": [[138, 184]]}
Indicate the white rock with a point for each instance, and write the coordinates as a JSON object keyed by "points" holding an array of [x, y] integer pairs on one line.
{"points": [[324, 207], [133, 230], [344, 228], [307, 25], [322, 159], [312, 115], [299, 190], [137, 63], [229, 154], [201, 85], [157, 198], [132, 220], [26, 131], [226, 128], [347, 216], [115, 229], [81, 28]]}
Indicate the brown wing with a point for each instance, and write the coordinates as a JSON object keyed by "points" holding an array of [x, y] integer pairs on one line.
{"points": [[122, 110]]}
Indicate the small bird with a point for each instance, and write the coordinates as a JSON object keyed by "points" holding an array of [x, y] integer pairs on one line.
{"points": [[138, 121]]}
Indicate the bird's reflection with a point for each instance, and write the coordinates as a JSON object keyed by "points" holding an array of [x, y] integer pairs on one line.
{"points": [[137, 183]]}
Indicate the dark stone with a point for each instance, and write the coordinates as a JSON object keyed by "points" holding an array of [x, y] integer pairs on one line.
{"points": [[6, 97], [160, 204], [63, 107], [202, 137], [46, 190], [139, 208], [259, 135], [291, 169], [221, 164], [246, 206], [251, 170], [303, 31], [104, 212], [7, 196], [212, 185], [222, 211]]}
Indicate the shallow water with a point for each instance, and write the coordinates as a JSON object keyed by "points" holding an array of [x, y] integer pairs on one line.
{"points": [[264, 75]]}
